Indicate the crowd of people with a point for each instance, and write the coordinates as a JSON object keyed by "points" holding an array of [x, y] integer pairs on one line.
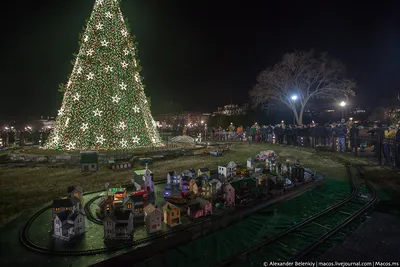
{"points": [[342, 136]]}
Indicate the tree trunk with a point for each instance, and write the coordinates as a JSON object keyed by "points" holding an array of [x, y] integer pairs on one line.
{"points": [[300, 120]]}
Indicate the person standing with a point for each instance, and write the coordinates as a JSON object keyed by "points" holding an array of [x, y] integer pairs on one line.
{"points": [[397, 139], [341, 132], [388, 143]]}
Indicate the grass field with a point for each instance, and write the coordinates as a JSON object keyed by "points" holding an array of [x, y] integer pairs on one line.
{"points": [[23, 189]]}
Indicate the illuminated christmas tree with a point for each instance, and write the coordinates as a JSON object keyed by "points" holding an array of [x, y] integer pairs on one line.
{"points": [[104, 104]]}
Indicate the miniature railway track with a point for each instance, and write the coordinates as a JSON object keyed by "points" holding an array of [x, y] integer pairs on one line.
{"points": [[88, 212], [29, 244], [313, 231]]}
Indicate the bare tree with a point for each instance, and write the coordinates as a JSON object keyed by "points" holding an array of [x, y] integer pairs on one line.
{"points": [[301, 76]]}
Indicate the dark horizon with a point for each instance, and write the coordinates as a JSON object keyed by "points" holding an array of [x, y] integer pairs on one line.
{"points": [[202, 55]]}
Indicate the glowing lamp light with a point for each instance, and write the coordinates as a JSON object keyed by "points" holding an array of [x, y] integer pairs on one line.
{"points": [[202, 121], [294, 97], [342, 104]]}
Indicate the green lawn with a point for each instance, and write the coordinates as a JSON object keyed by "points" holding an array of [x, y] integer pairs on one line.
{"points": [[25, 188]]}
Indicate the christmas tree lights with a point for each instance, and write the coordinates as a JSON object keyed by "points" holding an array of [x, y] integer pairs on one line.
{"points": [[104, 105]]}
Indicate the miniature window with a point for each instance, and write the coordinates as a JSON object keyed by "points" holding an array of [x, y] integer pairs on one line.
{"points": [[172, 213], [92, 166], [67, 208], [57, 209], [136, 210], [129, 206], [141, 209], [158, 218], [76, 194]]}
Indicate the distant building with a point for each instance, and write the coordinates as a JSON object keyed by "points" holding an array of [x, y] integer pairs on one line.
{"points": [[231, 109]]}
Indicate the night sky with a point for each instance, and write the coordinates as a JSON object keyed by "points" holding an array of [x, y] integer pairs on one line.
{"points": [[201, 54]]}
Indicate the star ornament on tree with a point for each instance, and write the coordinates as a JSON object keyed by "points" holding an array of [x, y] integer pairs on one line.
{"points": [[99, 26], [100, 139], [56, 138], [124, 143], [115, 99], [135, 139], [122, 125], [90, 52], [97, 112], [104, 43], [136, 109], [71, 146], [124, 64], [60, 111], [122, 86], [84, 126], [109, 15], [108, 68], [76, 97], [79, 71], [86, 39], [90, 76], [124, 33], [126, 51]]}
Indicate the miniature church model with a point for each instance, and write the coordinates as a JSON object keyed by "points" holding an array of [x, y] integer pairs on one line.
{"points": [[143, 180]]}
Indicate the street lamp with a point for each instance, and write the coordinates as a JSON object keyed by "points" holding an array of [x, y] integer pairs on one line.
{"points": [[294, 98], [342, 104]]}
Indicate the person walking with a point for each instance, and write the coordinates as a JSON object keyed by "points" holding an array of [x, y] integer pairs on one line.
{"points": [[341, 132]]}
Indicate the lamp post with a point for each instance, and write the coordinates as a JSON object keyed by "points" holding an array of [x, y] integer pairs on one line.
{"points": [[294, 98], [342, 104]]}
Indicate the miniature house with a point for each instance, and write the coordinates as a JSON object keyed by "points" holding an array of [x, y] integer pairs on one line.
{"points": [[89, 161], [199, 208], [206, 190], [192, 182], [127, 204], [68, 224], [170, 177], [259, 167], [141, 179], [195, 189], [118, 225], [205, 171], [106, 205], [139, 205], [228, 171], [68, 204], [172, 215], [191, 173], [118, 193], [215, 185], [152, 218], [76, 191], [250, 163], [229, 195]]}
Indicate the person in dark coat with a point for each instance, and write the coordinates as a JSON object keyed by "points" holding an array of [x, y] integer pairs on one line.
{"points": [[354, 133], [397, 154]]}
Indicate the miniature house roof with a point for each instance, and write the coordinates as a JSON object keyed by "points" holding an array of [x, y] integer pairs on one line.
{"points": [[126, 200], [120, 215], [89, 157], [169, 206], [141, 172], [137, 198], [63, 215], [72, 187], [149, 209], [231, 164], [64, 202], [204, 169]]}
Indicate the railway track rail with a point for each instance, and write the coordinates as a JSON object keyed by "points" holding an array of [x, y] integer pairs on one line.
{"points": [[309, 233]]}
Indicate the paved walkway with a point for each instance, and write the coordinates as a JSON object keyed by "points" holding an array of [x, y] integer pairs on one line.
{"points": [[377, 239]]}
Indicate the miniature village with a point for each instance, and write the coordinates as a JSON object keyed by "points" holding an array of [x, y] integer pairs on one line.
{"points": [[191, 193]]}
